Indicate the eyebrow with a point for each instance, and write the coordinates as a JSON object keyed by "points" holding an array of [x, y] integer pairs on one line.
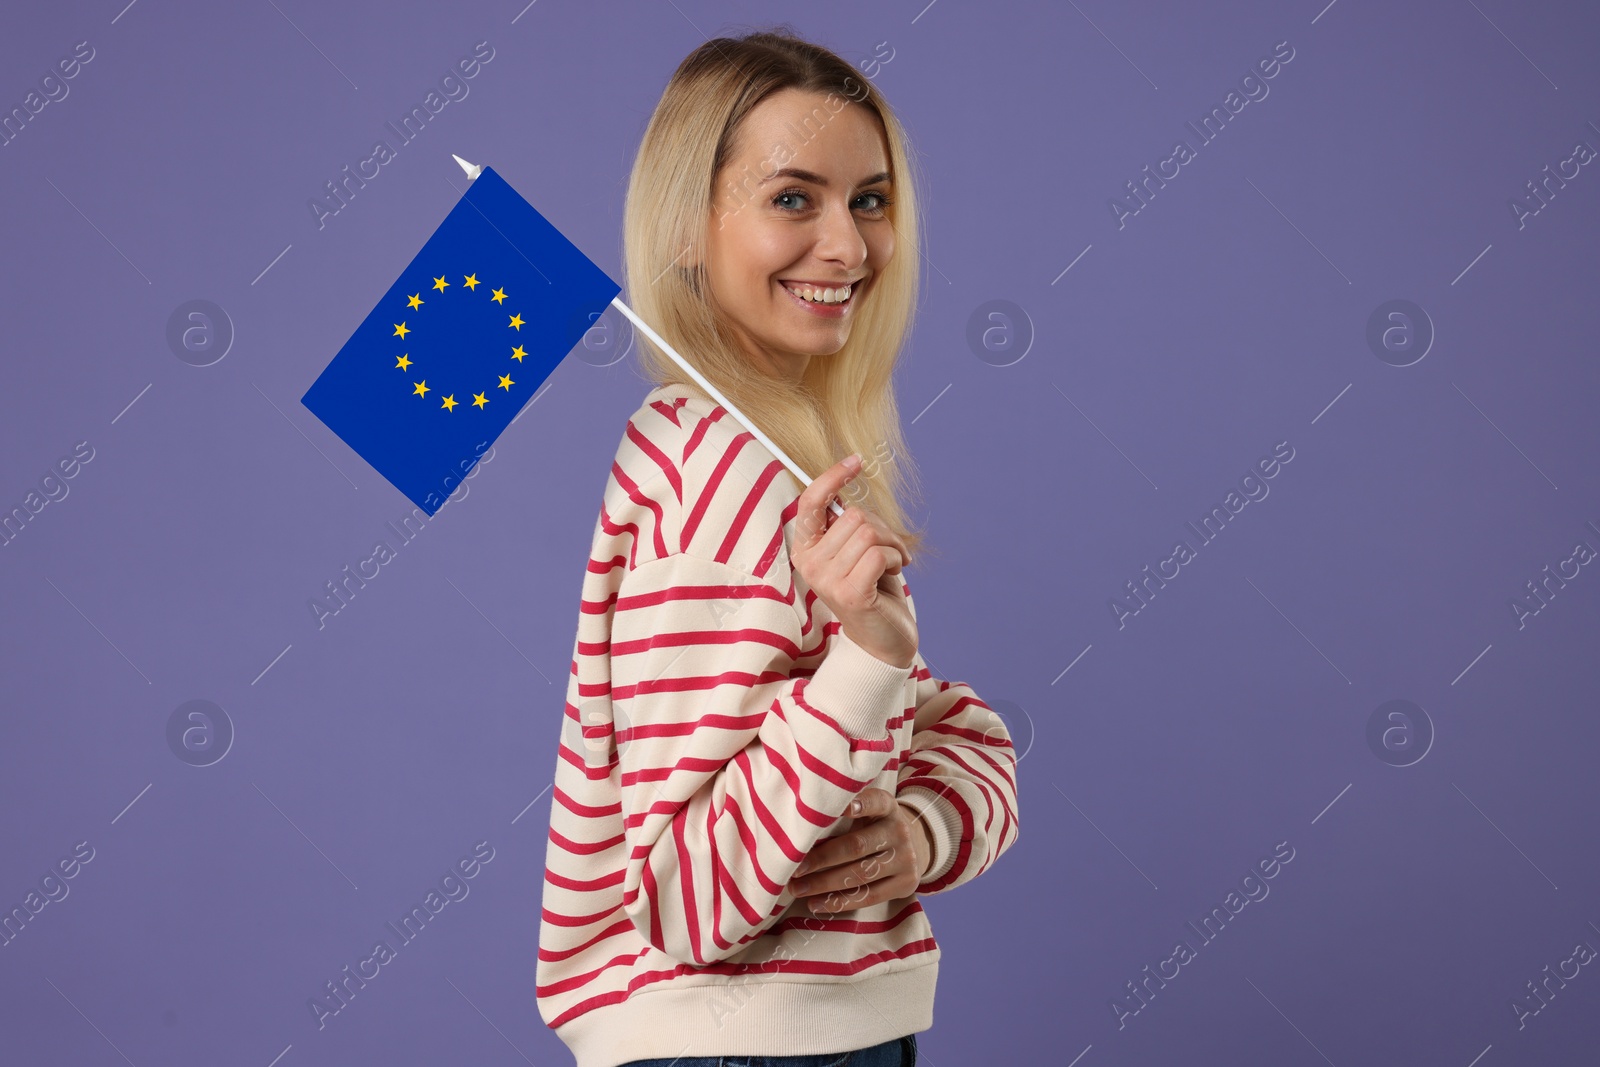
{"points": [[817, 179]]}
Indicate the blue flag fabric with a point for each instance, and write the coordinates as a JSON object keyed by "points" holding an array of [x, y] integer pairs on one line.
{"points": [[475, 323]]}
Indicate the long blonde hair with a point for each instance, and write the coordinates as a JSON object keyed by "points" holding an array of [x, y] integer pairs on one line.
{"points": [[846, 401]]}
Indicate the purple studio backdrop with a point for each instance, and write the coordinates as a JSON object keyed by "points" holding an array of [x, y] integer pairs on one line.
{"points": [[1253, 396]]}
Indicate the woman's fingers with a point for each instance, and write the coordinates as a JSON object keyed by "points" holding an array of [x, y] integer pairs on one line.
{"points": [[901, 553], [875, 803], [861, 896], [848, 564], [855, 517], [815, 498], [816, 519], [838, 862], [886, 875], [858, 561], [876, 860], [848, 847], [874, 570], [849, 546]]}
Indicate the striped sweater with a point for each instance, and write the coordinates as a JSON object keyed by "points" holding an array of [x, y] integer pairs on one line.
{"points": [[718, 723]]}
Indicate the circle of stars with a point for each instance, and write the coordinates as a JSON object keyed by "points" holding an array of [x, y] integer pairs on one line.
{"points": [[404, 361]]}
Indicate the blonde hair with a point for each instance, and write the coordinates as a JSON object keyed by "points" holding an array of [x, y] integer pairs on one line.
{"points": [[846, 401]]}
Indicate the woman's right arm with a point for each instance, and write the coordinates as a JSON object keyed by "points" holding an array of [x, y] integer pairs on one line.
{"points": [[731, 770]]}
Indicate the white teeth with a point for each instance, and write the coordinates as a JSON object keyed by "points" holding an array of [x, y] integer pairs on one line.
{"points": [[821, 296]]}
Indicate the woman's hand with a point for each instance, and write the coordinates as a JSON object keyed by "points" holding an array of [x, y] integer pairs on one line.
{"points": [[851, 565], [882, 857]]}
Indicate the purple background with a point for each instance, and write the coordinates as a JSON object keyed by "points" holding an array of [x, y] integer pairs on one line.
{"points": [[1230, 714]]}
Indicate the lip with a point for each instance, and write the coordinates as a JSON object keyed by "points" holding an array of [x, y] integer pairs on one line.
{"points": [[826, 311]]}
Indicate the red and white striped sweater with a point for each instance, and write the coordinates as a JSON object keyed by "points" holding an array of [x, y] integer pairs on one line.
{"points": [[718, 723]]}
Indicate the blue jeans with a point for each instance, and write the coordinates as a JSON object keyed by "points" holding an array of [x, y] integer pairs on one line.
{"points": [[898, 1052]]}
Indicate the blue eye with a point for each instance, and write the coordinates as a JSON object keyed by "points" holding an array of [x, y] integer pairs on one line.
{"points": [[883, 200]]}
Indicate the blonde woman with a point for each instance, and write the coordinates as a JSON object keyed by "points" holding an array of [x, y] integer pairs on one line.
{"points": [[758, 776]]}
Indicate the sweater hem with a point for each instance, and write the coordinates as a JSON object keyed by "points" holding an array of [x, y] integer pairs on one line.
{"points": [[757, 1017]]}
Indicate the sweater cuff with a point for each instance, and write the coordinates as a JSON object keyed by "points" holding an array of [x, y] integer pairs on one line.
{"points": [[858, 689], [943, 822]]}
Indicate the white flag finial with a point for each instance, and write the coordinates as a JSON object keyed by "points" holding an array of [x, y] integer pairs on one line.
{"points": [[472, 169]]}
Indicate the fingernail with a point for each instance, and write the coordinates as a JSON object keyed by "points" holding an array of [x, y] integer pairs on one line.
{"points": [[805, 865], [853, 460], [855, 807]]}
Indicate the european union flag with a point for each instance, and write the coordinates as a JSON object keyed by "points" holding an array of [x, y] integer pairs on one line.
{"points": [[475, 323]]}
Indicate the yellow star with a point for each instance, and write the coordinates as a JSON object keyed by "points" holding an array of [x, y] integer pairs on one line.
{"points": [[421, 389], [471, 282], [516, 321], [517, 353], [499, 295], [400, 330], [402, 363], [439, 283], [449, 402], [478, 400], [414, 300], [506, 383]]}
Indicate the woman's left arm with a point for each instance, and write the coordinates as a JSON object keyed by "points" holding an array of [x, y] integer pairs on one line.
{"points": [[961, 777], [957, 782]]}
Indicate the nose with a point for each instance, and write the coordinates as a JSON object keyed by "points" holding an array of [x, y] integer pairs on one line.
{"points": [[839, 238]]}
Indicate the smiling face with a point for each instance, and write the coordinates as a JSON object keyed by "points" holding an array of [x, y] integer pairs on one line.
{"points": [[801, 206]]}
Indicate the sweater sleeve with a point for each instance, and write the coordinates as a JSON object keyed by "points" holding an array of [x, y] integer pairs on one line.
{"points": [[731, 769], [961, 776]]}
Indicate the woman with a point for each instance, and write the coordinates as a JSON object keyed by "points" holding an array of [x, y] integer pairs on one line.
{"points": [[758, 774]]}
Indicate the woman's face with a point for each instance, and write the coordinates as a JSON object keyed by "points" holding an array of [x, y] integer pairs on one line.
{"points": [[772, 230]]}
